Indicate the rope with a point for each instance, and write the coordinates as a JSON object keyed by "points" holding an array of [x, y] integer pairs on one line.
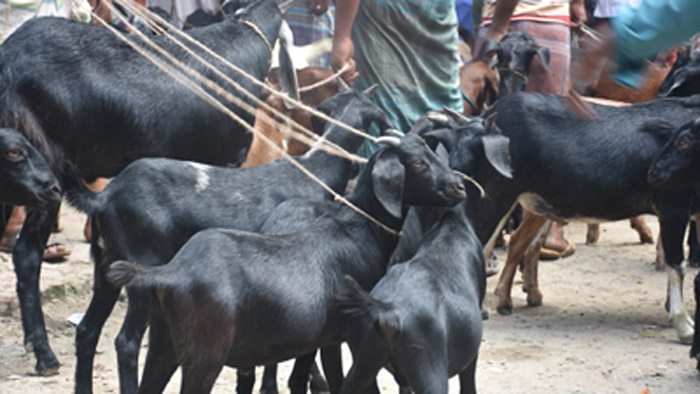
{"points": [[199, 91], [333, 77], [303, 137], [157, 18]]}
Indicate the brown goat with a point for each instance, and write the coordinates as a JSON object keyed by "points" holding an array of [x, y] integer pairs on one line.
{"points": [[654, 76], [259, 152], [479, 86]]}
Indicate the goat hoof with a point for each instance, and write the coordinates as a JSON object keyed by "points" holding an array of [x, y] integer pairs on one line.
{"points": [[484, 314], [534, 299], [505, 310], [660, 265], [47, 369]]}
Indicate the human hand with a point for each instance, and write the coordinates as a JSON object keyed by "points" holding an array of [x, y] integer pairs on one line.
{"points": [[318, 7], [341, 54], [577, 11]]}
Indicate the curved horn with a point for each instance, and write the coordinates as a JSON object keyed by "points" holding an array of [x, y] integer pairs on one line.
{"points": [[394, 133], [458, 117], [370, 91], [388, 141], [342, 85], [438, 117], [286, 6]]}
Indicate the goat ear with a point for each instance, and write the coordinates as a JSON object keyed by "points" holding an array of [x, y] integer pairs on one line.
{"points": [[543, 53], [497, 150], [388, 180], [488, 48], [446, 137], [288, 74]]}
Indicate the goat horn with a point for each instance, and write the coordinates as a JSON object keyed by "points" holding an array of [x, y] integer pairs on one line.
{"points": [[370, 91], [342, 86], [438, 117], [286, 6], [457, 116], [388, 140], [394, 133]]}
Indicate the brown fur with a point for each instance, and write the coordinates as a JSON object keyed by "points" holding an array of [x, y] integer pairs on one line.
{"points": [[654, 76], [479, 82], [259, 152]]}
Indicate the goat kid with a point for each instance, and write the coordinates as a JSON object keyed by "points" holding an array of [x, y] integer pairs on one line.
{"points": [[423, 319], [155, 205], [291, 277], [87, 100]]}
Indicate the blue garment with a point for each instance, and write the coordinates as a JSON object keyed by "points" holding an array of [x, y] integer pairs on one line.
{"points": [[464, 15], [654, 26]]}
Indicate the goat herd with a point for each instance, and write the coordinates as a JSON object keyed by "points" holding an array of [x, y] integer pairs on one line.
{"points": [[247, 267]]}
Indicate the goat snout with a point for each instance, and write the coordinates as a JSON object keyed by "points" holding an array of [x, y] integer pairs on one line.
{"points": [[52, 192], [456, 191]]}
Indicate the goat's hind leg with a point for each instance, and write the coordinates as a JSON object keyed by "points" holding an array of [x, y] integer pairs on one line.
{"points": [[467, 379], [161, 360], [128, 342]]}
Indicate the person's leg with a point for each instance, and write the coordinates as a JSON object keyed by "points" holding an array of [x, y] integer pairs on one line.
{"points": [[53, 251]]}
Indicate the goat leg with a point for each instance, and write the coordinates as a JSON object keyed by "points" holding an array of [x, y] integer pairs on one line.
{"points": [[640, 226], [520, 240], [592, 233], [26, 256]]}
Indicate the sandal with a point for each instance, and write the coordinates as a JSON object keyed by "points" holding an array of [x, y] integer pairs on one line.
{"points": [[55, 251], [553, 254]]}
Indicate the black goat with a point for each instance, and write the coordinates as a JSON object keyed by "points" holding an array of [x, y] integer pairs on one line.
{"points": [[514, 55], [677, 165], [155, 205], [25, 176], [604, 167], [423, 318], [85, 98], [292, 278]]}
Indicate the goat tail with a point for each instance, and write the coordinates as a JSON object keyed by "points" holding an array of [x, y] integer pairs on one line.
{"points": [[357, 302], [79, 196], [123, 273]]}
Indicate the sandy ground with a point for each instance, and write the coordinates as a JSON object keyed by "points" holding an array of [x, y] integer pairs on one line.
{"points": [[602, 329]]}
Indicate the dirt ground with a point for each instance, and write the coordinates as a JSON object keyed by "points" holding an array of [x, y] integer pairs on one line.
{"points": [[602, 329]]}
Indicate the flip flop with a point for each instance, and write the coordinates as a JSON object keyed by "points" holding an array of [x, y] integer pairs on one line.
{"points": [[552, 254], [55, 251]]}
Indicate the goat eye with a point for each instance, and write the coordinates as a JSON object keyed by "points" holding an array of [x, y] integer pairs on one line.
{"points": [[684, 143], [15, 153], [418, 164]]}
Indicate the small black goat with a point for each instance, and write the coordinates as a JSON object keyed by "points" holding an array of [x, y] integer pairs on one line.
{"points": [[87, 100], [678, 165], [423, 318], [514, 55], [155, 205], [25, 176], [684, 77], [275, 293]]}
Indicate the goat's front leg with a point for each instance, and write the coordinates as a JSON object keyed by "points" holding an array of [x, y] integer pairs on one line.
{"points": [[520, 240], [672, 232], [128, 341], [26, 256]]}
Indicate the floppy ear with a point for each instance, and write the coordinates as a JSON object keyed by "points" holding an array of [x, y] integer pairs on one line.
{"points": [[447, 137], [488, 48], [497, 150], [388, 180], [288, 73]]}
